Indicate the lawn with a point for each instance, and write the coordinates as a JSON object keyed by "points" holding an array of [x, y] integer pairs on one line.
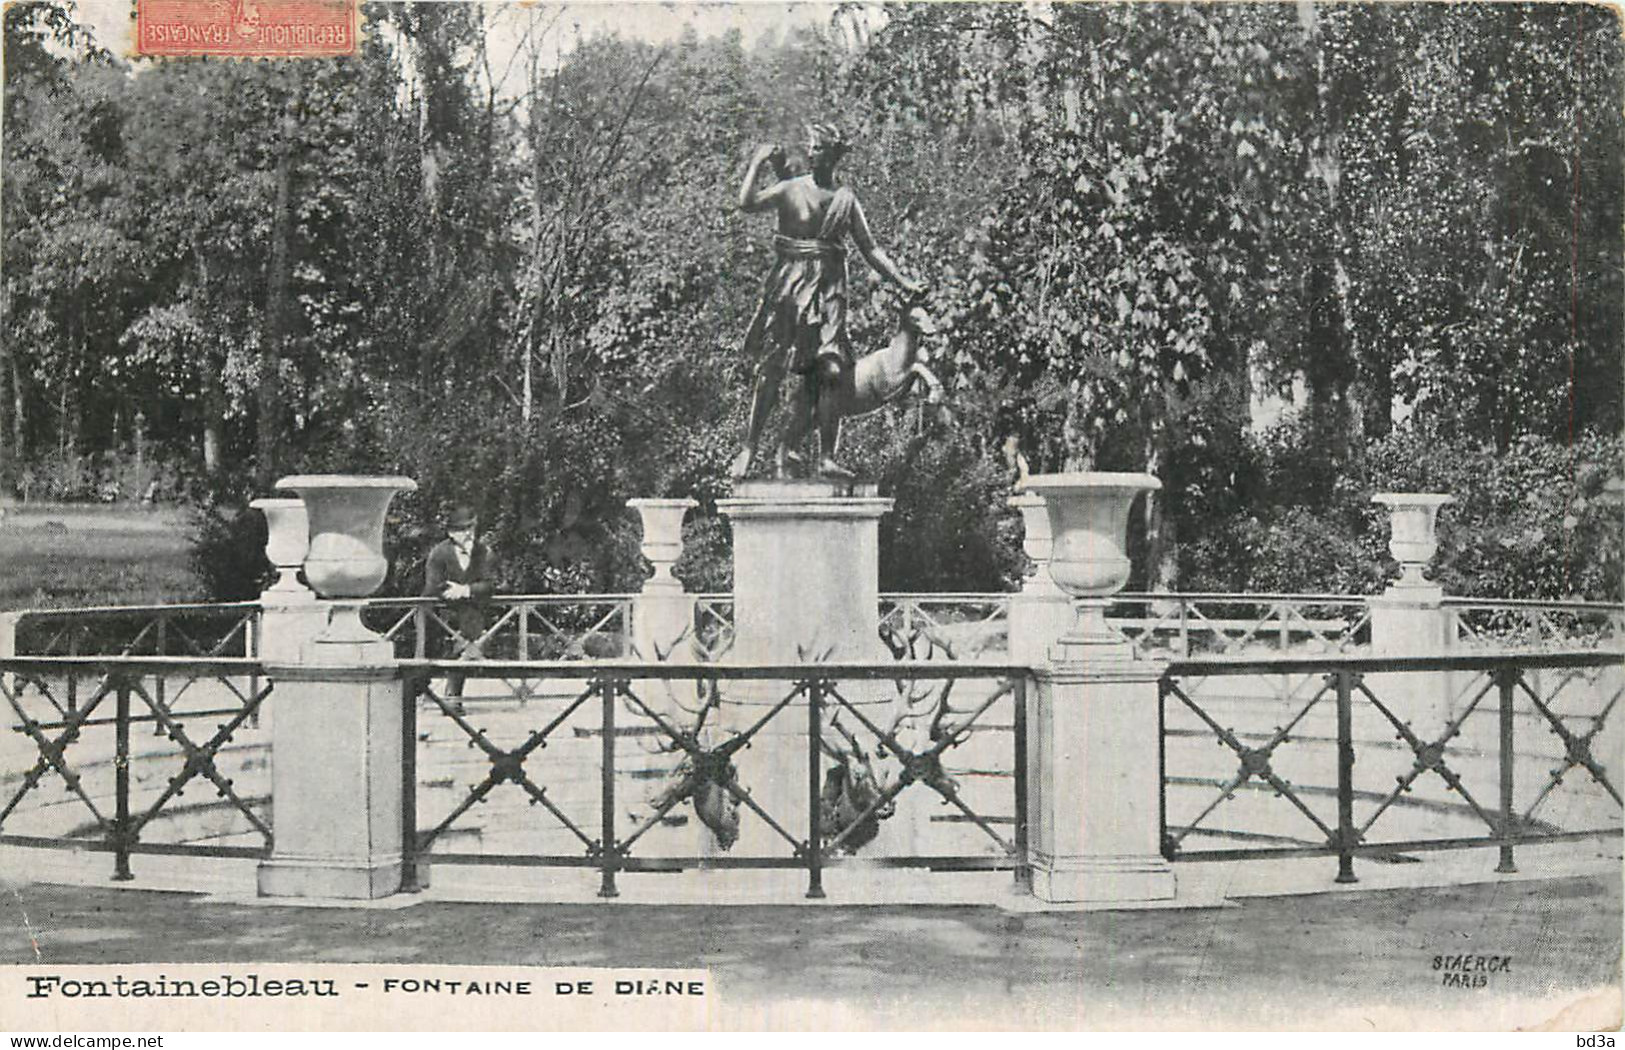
{"points": [[63, 556]]}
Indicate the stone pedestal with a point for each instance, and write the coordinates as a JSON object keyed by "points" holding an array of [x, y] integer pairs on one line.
{"points": [[8, 646], [336, 774], [1093, 793], [806, 588], [1411, 620], [806, 571], [288, 622]]}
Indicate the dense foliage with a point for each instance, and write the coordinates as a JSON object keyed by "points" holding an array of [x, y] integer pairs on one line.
{"points": [[519, 279]]}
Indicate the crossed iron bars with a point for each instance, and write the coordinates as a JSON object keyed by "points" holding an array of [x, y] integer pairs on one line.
{"points": [[1428, 755], [707, 765], [123, 832]]}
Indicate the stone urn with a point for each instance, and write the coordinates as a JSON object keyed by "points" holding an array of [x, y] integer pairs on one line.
{"points": [[1415, 538], [1036, 542], [286, 542], [346, 560], [1088, 521], [662, 537]]}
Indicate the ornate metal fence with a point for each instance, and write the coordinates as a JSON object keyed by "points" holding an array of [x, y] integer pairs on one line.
{"points": [[945, 626], [1533, 624], [199, 632], [509, 627], [1195, 624], [1392, 742], [186, 630], [869, 741], [713, 626], [80, 753]]}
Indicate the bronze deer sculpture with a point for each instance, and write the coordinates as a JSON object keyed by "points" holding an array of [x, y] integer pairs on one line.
{"points": [[875, 380]]}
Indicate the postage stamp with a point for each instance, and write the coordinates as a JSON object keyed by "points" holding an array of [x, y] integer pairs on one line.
{"points": [[247, 28]]}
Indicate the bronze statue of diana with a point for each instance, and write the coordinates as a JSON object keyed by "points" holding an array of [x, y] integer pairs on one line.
{"points": [[800, 323]]}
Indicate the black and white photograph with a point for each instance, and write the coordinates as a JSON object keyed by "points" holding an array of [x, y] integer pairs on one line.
{"points": [[811, 516]]}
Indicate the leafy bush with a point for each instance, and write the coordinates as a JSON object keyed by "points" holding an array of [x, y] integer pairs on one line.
{"points": [[228, 552], [1530, 522]]}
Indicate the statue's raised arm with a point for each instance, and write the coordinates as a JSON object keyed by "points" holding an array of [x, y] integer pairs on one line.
{"points": [[751, 196]]}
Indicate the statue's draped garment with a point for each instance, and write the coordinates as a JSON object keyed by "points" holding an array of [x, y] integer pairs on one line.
{"points": [[802, 314]]}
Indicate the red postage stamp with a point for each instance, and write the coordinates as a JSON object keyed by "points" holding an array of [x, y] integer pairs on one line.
{"points": [[248, 28]]}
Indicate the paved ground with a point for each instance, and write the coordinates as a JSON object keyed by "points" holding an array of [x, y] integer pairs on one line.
{"points": [[1308, 960]]}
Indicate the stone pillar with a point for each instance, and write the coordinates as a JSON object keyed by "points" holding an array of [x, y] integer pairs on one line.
{"points": [[1094, 784], [806, 571], [1409, 618], [8, 645], [662, 625], [1094, 787], [336, 773], [806, 587], [1041, 612], [336, 748]]}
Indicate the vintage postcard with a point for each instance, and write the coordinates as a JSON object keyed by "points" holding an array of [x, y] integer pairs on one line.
{"points": [[811, 516]]}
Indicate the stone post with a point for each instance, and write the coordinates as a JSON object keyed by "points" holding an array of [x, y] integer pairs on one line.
{"points": [[336, 774], [1409, 618], [8, 645], [1095, 774], [662, 625], [662, 629], [806, 587], [1094, 784], [336, 747]]}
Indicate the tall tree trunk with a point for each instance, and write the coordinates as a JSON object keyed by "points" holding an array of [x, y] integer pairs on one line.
{"points": [[214, 411], [11, 449], [1329, 368], [267, 434]]}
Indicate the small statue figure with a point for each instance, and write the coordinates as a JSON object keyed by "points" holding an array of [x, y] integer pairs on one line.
{"points": [[800, 323]]}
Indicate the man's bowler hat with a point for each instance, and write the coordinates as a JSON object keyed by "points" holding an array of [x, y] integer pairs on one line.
{"points": [[462, 517]]}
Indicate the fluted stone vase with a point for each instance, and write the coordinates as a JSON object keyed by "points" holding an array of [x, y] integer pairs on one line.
{"points": [[1415, 536], [287, 541], [1088, 519], [346, 560]]}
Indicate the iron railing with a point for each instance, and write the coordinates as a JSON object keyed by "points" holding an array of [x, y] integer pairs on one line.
{"points": [[945, 626], [1401, 718], [913, 626], [509, 627], [713, 626], [857, 754], [202, 630], [1509, 623], [116, 782], [1219, 624]]}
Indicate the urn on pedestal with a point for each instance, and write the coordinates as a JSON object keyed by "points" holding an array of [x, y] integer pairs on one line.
{"points": [[1415, 538], [662, 537], [1037, 542], [1088, 520], [346, 560], [662, 614], [287, 540]]}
